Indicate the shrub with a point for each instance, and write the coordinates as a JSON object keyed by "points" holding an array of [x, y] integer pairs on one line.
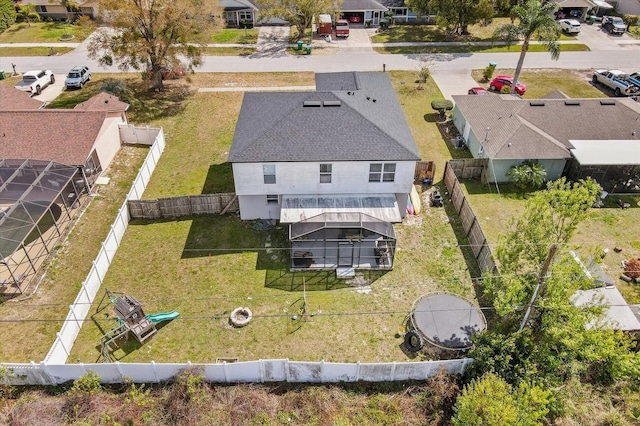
{"points": [[487, 74], [528, 175]]}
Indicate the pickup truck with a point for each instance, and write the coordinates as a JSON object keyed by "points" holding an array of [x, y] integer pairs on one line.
{"points": [[635, 79], [35, 81], [342, 28], [615, 80], [614, 24]]}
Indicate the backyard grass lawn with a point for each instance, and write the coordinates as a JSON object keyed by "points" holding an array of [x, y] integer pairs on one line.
{"points": [[204, 267], [607, 227], [44, 32], [574, 83], [41, 316]]}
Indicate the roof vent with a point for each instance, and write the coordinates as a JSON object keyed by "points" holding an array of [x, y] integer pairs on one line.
{"points": [[331, 103], [536, 103], [312, 103], [570, 102], [607, 102]]}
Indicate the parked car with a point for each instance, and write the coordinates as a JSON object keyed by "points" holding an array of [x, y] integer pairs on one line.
{"points": [[342, 28], [77, 77], [500, 81], [478, 91], [614, 24], [616, 80], [35, 81], [355, 19], [569, 26]]}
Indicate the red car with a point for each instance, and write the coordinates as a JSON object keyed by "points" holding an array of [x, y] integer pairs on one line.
{"points": [[478, 91], [355, 19], [504, 80]]}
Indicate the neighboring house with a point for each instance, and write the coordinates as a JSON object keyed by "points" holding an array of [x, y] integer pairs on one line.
{"points": [[400, 12], [87, 136], [10, 98], [239, 10], [337, 164], [365, 10], [584, 137], [56, 11], [628, 7]]}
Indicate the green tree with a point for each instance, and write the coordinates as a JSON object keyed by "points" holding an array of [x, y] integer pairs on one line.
{"points": [[535, 19], [528, 175], [299, 13], [457, 15], [492, 401], [27, 13], [149, 36], [7, 14]]}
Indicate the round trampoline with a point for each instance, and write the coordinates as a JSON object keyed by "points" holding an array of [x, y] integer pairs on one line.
{"points": [[447, 321]]}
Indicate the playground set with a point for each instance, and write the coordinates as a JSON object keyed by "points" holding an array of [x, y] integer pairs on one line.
{"points": [[131, 320]]}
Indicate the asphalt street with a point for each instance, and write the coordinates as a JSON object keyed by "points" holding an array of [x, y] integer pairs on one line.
{"points": [[451, 71]]}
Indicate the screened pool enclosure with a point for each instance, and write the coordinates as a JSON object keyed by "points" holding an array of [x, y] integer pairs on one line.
{"points": [[38, 200], [342, 240]]}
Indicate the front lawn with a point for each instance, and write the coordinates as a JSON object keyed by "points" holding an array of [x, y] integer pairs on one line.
{"points": [[421, 33], [574, 83], [34, 51], [44, 32]]}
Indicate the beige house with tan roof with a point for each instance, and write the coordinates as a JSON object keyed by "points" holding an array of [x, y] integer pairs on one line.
{"points": [[87, 136], [579, 137]]}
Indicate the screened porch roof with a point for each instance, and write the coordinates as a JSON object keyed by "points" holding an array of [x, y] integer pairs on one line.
{"points": [[28, 191], [350, 220], [296, 208]]}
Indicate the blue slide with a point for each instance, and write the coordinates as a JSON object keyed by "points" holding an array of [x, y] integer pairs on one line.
{"points": [[163, 316]]}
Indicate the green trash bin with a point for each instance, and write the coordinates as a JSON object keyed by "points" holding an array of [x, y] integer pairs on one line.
{"points": [[2, 76], [300, 43], [308, 49], [592, 19], [492, 64]]}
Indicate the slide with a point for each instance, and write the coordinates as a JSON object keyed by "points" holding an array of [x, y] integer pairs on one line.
{"points": [[163, 316], [415, 200]]}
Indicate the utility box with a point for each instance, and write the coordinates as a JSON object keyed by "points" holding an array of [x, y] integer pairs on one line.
{"points": [[324, 25]]}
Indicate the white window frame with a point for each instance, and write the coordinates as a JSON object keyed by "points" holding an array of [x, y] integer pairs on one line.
{"points": [[325, 175], [382, 172], [269, 174], [272, 199]]}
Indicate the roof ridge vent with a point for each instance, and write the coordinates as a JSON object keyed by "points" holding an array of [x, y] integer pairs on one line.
{"points": [[607, 102], [334, 103], [312, 103], [536, 103], [571, 102]]}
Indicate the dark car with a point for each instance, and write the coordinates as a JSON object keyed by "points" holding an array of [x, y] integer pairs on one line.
{"points": [[614, 24], [500, 81]]}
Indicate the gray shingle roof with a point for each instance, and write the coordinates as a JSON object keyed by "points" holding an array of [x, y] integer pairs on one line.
{"points": [[275, 127], [520, 129], [361, 5]]}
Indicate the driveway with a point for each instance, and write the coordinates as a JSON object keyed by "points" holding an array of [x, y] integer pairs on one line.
{"points": [[53, 90]]}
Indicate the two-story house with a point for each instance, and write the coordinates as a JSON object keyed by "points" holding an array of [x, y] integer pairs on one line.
{"points": [[336, 164]]}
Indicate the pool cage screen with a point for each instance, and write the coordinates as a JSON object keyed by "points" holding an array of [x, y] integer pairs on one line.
{"points": [[38, 200]]}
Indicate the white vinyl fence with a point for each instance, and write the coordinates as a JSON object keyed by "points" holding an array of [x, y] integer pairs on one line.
{"points": [[260, 371], [78, 311]]}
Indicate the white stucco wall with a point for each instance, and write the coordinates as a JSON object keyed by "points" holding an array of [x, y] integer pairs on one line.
{"points": [[108, 142], [304, 179]]}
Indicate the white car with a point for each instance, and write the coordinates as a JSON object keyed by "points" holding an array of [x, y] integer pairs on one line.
{"points": [[570, 26]]}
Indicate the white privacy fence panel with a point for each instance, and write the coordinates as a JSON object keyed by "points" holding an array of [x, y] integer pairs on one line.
{"points": [[131, 134], [260, 371], [78, 311]]}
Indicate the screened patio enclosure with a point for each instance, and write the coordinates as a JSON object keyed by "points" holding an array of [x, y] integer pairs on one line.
{"points": [[38, 200], [342, 240]]}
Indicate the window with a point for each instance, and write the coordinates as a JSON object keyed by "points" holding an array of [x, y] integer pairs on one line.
{"points": [[272, 199], [248, 16], [269, 172], [325, 173], [41, 9], [382, 172]]}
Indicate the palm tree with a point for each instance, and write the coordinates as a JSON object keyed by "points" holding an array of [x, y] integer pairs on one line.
{"points": [[27, 13], [529, 174], [535, 18]]}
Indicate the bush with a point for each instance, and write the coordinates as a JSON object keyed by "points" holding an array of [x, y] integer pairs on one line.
{"points": [[487, 74], [442, 106], [245, 24]]}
